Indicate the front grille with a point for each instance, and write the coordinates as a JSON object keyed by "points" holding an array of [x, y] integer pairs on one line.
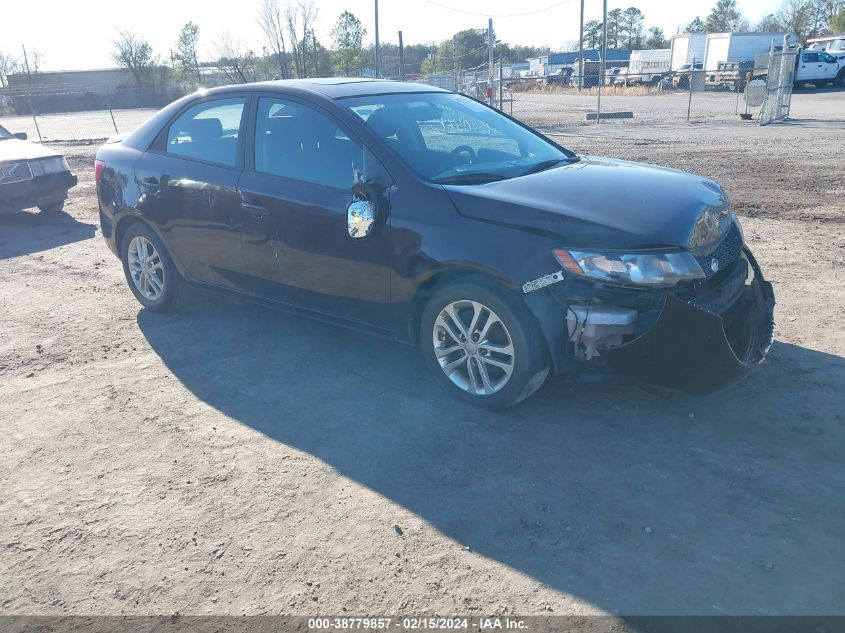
{"points": [[726, 253], [14, 172]]}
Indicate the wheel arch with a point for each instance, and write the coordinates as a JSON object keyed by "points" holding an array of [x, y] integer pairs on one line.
{"points": [[438, 279], [544, 310], [122, 226]]}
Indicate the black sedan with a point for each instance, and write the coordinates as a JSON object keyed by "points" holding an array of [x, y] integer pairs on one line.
{"points": [[31, 175], [425, 216]]}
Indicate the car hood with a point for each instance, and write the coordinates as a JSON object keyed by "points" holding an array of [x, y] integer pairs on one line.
{"points": [[16, 149], [597, 203]]}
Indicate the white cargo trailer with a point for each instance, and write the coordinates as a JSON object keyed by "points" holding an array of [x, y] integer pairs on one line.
{"points": [[647, 66], [737, 47], [686, 48]]}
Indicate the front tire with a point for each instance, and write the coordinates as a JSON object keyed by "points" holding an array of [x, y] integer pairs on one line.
{"points": [[150, 273], [482, 344]]}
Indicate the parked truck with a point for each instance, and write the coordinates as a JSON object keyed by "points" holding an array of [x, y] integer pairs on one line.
{"points": [[812, 66], [592, 72]]}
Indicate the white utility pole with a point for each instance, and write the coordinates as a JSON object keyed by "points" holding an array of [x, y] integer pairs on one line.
{"points": [[490, 97], [603, 67], [581, 50], [376, 70]]}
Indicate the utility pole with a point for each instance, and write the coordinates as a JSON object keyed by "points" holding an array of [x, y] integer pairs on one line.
{"points": [[376, 51], [603, 67], [581, 50], [490, 97], [455, 60], [401, 58]]}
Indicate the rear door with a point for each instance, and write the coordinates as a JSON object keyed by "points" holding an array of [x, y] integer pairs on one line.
{"points": [[189, 191], [301, 168]]}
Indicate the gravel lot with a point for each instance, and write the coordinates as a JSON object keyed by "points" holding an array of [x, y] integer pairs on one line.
{"points": [[230, 459]]}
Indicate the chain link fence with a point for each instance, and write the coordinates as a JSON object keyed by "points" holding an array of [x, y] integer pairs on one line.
{"points": [[75, 112], [729, 92], [611, 95], [778, 88]]}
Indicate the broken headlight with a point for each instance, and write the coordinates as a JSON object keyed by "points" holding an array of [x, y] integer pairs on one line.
{"points": [[52, 165], [648, 268]]}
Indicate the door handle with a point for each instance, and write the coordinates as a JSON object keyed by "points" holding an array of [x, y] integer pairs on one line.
{"points": [[150, 185], [255, 210]]}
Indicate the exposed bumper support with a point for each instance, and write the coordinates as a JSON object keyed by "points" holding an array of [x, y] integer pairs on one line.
{"points": [[688, 349], [39, 191]]}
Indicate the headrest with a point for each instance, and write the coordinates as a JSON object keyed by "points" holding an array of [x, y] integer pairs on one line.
{"points": [[314, 124], [383, 122], [203, 129]]}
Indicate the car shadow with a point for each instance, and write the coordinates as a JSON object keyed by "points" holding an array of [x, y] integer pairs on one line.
{"points": [[26, 232], [635, 502]]}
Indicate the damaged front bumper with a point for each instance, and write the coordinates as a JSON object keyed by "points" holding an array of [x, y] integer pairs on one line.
{"points": [[702, 346], [36, 192]]}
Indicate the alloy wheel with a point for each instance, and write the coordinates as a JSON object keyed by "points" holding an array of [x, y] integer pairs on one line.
{"points": [[473, 347], [146, 268]]}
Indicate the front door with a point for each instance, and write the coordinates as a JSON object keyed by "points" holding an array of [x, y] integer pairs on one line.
{"points": [[189, 191], [828, 66], [816, 66], [300, 172]]}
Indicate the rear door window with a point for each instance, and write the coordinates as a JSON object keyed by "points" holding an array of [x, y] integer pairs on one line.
{"points": [[208, 131]]}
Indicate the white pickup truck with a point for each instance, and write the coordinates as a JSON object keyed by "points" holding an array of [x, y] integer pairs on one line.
{"points": [[812, 67]]}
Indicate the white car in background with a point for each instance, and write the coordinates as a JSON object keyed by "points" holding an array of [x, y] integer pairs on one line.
{"points": [[31, 175]]}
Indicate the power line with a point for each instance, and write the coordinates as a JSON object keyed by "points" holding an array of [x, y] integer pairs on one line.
{"points": [[500, 15]]}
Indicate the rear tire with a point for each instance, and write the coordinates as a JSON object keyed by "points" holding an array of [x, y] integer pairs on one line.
{"points": [[502, 358], [150, 272]]}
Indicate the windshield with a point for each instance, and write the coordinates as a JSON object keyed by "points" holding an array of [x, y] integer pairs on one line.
{"points": [[4, 133], [450, 138]]}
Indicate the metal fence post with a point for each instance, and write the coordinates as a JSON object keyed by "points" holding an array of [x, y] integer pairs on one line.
{"points": [[501, 83], [108, 105], [689, 88], [34, 120]]}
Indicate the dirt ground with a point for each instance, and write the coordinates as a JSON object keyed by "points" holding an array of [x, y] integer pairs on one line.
{"points": [[230, 459]]}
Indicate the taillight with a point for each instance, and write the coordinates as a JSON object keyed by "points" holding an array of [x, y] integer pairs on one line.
{"points": [[99, 168]]}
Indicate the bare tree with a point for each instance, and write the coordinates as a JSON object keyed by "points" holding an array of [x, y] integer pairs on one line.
{"points": [[273, 26], [299, 20], [238, 65], [8, 64], [794, 16], [134, 53]]}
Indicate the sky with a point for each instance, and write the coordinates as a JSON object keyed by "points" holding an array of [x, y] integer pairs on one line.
{"points": [[79, 35]]}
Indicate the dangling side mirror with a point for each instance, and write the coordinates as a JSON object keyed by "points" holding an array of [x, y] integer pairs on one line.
{"points": [[363, 213], [360, 218]]}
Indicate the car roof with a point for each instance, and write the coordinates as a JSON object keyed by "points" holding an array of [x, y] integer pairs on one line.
{"points": [[335, 87]]}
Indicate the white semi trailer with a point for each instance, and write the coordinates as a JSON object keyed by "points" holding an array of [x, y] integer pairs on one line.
{"points": [[685, 48], [721, 48]]}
